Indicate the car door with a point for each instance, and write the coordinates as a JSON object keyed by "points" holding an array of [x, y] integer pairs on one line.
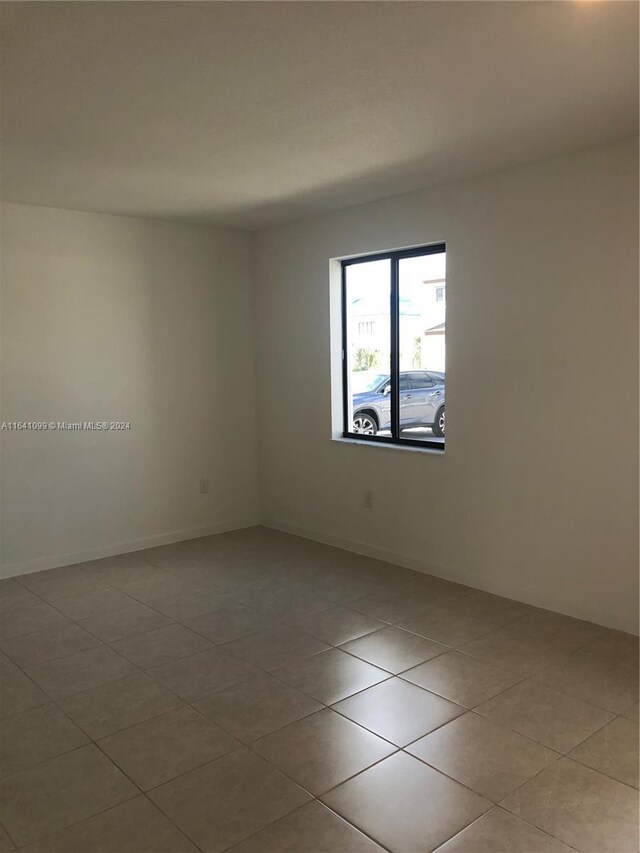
{"points": [[408, 409], [424, 398], [436, 396]]}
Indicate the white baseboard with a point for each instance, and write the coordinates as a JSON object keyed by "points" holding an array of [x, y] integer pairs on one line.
{"points": [[353, 545], [470, 577], [10, 570]]}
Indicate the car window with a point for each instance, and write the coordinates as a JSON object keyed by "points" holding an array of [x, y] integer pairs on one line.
{"points": [[421, 380], [367, 380], [405, 382]]}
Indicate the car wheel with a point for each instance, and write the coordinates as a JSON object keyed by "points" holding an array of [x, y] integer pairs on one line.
{"points": [[364, 423], [438, 424]]}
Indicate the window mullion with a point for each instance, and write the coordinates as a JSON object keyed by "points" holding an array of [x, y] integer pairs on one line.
{"points": [[395, 349], [346, 408]]}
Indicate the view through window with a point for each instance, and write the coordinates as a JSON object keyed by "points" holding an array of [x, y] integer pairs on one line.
{"points": [[394, 307]]}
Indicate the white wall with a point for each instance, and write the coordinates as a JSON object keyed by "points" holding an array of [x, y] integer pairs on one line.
{"points": [[536, 496], [113, 318]]}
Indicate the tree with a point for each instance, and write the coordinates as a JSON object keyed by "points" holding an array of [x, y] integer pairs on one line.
{"points": [[365, 359], [417, 352]]}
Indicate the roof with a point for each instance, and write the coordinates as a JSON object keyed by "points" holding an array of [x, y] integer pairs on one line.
{"points": [[439, 329]]}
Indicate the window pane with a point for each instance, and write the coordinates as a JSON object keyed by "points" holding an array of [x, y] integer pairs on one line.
{"points": [[422, 308], [421, 380], [368, 294]]}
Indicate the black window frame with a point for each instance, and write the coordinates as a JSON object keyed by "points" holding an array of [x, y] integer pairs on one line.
{"points": [[394, 258]]}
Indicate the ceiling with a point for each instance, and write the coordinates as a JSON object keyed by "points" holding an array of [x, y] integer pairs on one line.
{"points": [[252, 113]]}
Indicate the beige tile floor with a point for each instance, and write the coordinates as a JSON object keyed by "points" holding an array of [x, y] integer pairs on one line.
{"points": [[261, 693]]}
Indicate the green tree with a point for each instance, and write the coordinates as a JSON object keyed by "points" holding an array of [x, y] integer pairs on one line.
{"points": [[365, 359], [416, 361]]}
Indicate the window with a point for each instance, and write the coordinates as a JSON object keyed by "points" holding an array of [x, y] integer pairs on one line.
{"points": [[421, 380], [393, 347]]}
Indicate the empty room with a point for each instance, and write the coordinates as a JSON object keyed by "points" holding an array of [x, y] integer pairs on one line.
{"points": [[261, 590]]}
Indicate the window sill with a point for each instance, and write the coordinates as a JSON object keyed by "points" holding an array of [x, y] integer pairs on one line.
{"points": [[384, 446]]}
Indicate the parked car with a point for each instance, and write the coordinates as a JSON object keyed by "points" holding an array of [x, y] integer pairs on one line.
{"points": [[421, 401]]}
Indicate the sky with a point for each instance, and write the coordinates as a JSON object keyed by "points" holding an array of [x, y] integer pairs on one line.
{"points": [[368, 284]]}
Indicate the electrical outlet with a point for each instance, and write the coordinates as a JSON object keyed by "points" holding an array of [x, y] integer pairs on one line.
{"points": [[204, 487], [368, 499]]}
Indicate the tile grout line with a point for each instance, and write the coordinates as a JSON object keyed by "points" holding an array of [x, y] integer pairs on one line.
{"points": [[505, 811], [299, 808], [315, 797], [269, 673]]}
